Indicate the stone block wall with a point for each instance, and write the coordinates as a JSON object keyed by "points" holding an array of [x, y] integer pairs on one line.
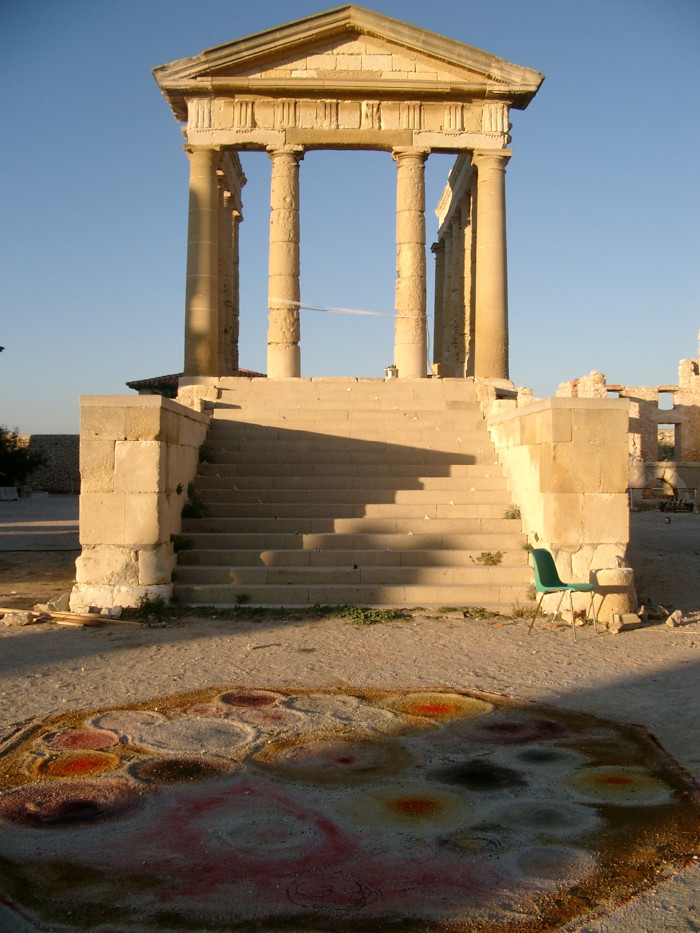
{"points": [[137, 457], [61, 472], [566, 463]]}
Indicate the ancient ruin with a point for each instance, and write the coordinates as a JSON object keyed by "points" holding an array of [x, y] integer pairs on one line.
{"points": [[664, 433], [412, 490]]}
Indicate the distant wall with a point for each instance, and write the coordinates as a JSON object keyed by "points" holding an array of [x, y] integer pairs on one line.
{"points": [[61, 473]]}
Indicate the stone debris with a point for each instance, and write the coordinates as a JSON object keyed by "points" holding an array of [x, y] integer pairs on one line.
{"points": [[59, 604], [18, 617], [675, 619], [114, 612], [624, 622]]}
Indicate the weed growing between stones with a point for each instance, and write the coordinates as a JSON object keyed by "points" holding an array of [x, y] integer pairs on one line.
{"points": [[488, 558]]}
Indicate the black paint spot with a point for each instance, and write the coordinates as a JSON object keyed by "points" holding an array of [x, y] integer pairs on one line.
{"points": [[249, 699], [480, 776], [176, 770]]}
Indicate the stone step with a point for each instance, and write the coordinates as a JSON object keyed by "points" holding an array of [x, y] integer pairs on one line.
{"points": [[347, 392], [496, 597], [281, 423], [384, 476], [308, 444], [301, 525], [381, 455], [336, 557], [444, 466], [357, 575], [319, 509], [265, 541], [210, 494]]}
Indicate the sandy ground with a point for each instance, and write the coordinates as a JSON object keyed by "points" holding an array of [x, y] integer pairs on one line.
{"points": [[649, 676]]}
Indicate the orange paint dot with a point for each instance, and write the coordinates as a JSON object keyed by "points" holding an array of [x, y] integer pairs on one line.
{"points": [[77, 765], [415, 806], [435, 709]]}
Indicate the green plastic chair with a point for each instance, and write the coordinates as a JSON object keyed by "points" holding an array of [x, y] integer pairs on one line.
{"points": [[547, 581]]}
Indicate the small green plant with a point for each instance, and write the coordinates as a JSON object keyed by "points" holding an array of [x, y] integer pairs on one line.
{"points": [[479, 612], [488, 558], [513, 511], [360, 616], [522, 612], [16, 460], [532, 591], [152, 607], [242, 598]]}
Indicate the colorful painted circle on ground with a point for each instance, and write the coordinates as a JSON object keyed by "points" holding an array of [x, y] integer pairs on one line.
{"points": [[238, 809]]}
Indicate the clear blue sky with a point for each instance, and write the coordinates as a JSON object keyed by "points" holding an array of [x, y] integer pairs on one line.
{"points": [[603, 197]]}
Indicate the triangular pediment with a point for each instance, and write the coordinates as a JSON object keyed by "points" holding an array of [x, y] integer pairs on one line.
{"points": [[350, 46]]}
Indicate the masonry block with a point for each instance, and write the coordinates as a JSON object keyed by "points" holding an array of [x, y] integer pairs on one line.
{"points": [[155, 565], [107, 565], [139, 466], [144, 515], [104, 423], [96, 465], [101, 518], [605, 518]]}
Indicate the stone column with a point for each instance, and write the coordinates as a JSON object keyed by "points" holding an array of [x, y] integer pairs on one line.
{"points": [[283, 354], [447, 312], [453, 343], [202, 290], [225, 279], [438, 250], [410, 338], [469, 282], [491, 290], [234, 322]]}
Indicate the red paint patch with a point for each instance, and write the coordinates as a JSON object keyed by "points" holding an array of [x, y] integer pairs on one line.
{"points": [[81, 738], [615, 779]]}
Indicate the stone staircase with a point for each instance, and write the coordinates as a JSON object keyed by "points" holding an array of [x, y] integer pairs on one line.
{"points": [[346, 491]]}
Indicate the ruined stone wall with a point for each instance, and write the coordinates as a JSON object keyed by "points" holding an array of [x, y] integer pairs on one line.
{"points": [[61, 472], [137, 457], [647, 415]]}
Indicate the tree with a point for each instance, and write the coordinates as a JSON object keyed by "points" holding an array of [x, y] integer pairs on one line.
{"points": [[17, 462]]}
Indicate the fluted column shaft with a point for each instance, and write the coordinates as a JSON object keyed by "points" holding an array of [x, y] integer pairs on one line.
{"points": [[226, 285], [202, 288], [410, 338], [439, 251], [491, 289], [283, 353]]}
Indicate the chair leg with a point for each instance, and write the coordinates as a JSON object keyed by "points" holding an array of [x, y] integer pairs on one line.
{"points": [[536, 611], [595, 614], [573, 617], [561, 599]]}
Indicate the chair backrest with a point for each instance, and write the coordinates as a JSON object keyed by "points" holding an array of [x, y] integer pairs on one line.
{"points": [[545, 569]]}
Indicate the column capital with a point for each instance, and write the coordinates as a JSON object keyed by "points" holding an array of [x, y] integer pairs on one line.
{"points": [[409, 152], [436, 247], [493, 158], [296, 152], [196, 150]]}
